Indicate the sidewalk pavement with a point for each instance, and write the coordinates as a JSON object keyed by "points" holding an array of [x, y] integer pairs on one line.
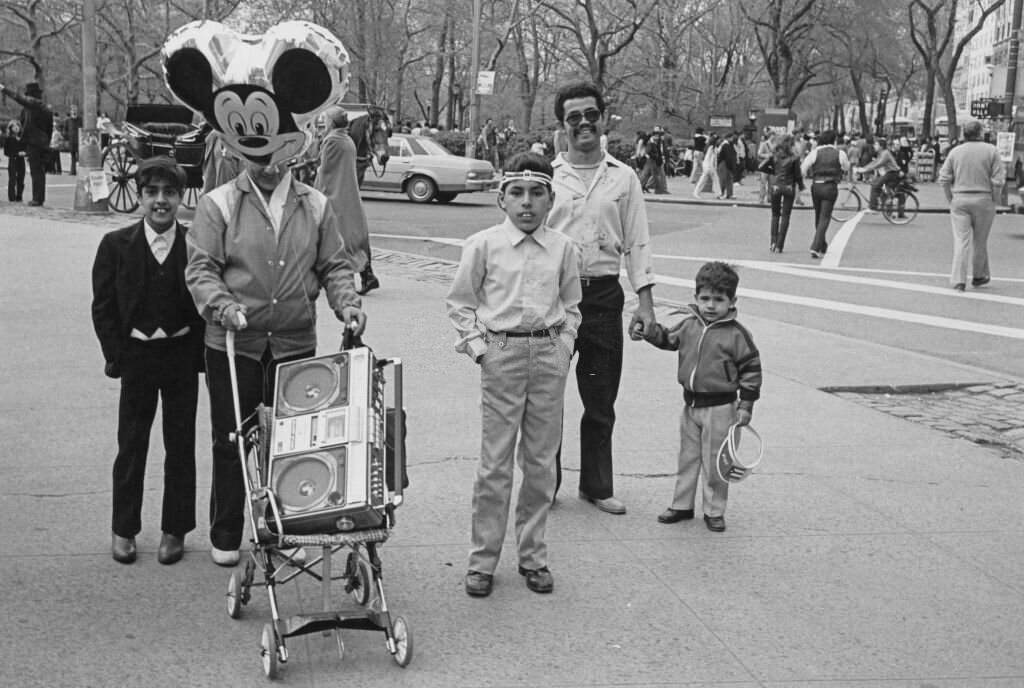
{"points": [[930, 195], [867, 551]]}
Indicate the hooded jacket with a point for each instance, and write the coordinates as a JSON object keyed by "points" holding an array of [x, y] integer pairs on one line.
{"points": [[716, 360]]}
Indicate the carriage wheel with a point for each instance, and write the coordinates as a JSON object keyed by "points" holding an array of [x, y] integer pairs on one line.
{"points": [[191, 197], [402, 635], [362, 583], [268, 651], [234, 596], [119, 164]]}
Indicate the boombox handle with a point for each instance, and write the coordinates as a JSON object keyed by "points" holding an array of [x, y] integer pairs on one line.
{"points": [[398, 469]]}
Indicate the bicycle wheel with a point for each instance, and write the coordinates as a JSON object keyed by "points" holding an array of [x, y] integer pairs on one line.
{"points": [[892, 212], [847, 203]]}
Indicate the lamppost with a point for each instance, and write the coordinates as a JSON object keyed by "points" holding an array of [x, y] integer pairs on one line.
{"points": [[91, 181], [474, 72]]}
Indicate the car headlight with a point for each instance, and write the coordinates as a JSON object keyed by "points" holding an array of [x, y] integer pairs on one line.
{"points": [[472, 175]]}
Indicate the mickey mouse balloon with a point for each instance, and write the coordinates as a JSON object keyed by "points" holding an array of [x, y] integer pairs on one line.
{"points": [[262, 92]]}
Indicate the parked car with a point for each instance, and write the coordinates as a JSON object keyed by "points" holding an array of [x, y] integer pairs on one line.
{"points": [[425, 170]]}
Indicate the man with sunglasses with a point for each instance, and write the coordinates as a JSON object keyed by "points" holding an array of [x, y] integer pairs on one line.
{"points": [[599, 204]]}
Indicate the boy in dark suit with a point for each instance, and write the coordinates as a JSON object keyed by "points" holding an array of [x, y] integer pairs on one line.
{"points": [[151, 336]]}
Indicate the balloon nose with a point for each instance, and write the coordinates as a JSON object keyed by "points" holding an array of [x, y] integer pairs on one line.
{"points": [[252, 141]]}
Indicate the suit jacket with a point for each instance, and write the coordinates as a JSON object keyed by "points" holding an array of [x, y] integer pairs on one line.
{"points": [[119, 283]]}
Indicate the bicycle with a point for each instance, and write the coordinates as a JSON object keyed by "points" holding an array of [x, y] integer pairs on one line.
{"points": [[851, 199]]}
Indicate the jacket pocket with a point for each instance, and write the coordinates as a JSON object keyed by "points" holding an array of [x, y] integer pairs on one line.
{"points": [[730, 370]]}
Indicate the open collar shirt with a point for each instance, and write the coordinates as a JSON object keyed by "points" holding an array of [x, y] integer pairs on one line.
{"points": [[607, 220], [510, 281]]}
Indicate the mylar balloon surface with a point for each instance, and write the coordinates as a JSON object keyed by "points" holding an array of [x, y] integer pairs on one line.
{"points": [[262, 92]]}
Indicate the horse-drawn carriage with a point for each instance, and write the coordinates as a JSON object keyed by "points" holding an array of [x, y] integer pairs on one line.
{"points": [[150, 130]]}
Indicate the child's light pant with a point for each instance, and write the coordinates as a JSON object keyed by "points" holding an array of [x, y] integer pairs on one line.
{"points": [[522, 382], [701, 433]]}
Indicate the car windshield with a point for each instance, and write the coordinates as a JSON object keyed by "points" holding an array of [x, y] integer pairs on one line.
{"points": [[429, 147]]}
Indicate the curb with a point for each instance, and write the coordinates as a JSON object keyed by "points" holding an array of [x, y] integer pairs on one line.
{"points": [[930, 388], [680, 200]]}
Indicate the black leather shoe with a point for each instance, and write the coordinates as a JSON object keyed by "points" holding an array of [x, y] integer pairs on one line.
{"points": [[538, 580], [479, 584], [715, 523], [671, 515], [122, 549], [172, 548], [980, 281], [35, 203], [959, 286]]}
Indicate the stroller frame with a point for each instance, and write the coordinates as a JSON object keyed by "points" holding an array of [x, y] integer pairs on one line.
{"points": [[273, 551]]}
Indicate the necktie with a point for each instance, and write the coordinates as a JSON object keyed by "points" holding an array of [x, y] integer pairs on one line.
{"points": [[160, 247]]}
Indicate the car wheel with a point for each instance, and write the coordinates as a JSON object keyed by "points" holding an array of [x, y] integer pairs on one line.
{"points": [[446, 197], [421, 189]]}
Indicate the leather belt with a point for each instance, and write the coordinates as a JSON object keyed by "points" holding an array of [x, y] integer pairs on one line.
{"points": [[546, 332], [587, 281]]}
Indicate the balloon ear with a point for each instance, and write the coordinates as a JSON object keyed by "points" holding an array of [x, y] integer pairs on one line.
{"points": [[190, 78], [301, 81]]}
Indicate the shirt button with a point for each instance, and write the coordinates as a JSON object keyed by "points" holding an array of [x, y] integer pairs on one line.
{"points": [[274, 301], [281, 263], [270, 262], [270, 334]]}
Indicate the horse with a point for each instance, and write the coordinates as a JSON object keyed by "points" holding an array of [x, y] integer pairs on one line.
{"points": [[370, 131]]}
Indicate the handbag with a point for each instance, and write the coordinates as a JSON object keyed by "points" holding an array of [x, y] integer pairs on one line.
{"points": [[767, 166]]}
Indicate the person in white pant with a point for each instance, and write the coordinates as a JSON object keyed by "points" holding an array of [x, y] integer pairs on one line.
{"points": [[972, 178], [709, 170]]}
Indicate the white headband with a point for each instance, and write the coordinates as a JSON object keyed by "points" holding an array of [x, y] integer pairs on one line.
{"points": [[525, 175]]}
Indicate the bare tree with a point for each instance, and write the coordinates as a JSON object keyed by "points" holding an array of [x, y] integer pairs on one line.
{"points": [[36, 23], [932, 31]]}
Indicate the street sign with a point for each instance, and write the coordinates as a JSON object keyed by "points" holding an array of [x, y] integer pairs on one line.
{"points": [[485, 83], [722, 122], [1004, 144], [987, 108]]}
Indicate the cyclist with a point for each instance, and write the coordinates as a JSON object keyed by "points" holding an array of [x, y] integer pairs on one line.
{"points": [[887, 170]]}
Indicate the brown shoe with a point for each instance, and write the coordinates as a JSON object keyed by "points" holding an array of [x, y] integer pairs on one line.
{"points": [[609, 505], [172, 548], [122, 549], [671, 515], [478, 584], [538, 580], [715, 523]]}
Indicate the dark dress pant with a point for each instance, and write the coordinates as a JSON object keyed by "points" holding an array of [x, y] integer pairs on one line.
{"points": [[255, 387], [599, 345], [823, 198], [37, 171], [162, 369]]}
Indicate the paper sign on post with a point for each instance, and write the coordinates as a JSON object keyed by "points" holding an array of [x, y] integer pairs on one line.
{"points": [[1004, 144], [98, 187], [485, 83]]}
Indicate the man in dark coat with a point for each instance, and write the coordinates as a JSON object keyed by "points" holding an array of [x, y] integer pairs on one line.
{"points": [[727, 164], [37, 129]]}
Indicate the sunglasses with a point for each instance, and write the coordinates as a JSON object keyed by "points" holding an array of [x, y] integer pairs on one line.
{"points": [[592, 115]]}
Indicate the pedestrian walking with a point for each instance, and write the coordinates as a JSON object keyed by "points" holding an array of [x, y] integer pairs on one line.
{"points": [[152, 340], [708, 179], [972, 178], [337, 179], [718, 362], [599, 205], [786, 181], [515, 303], [824, 166], [72, 125], [14, 149], [700, 143], [764, 154], [36, 131], [727, 165]]}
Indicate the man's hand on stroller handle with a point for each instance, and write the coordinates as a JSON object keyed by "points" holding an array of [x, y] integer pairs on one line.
{"points": [[354, 319]]}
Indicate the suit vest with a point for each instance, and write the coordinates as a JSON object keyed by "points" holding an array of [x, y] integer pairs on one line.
{"points": [[161, 305]]}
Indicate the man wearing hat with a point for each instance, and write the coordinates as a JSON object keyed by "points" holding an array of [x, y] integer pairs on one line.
{"points": [[37, 128], [337, 179]]}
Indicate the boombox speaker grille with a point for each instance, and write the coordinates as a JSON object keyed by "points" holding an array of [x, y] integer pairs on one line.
{"points": [[306, 482], [309, 386]]}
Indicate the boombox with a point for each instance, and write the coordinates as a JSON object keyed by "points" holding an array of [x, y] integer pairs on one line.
{"points": [[328, 457]]}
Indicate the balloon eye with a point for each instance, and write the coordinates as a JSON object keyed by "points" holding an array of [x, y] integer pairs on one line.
{"points": [[237, 123], [260, 124]]}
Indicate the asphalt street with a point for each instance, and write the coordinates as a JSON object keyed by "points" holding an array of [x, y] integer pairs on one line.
{"points": [[873, 548]]}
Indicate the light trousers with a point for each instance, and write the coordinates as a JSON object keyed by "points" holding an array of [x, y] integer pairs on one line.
{"points": [[522, 381], [701, 433], [971, 216]]}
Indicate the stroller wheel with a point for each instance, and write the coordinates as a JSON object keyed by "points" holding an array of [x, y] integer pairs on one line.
{"points": [[402, 636], [268, 651], [362, 588], [234, 596]]}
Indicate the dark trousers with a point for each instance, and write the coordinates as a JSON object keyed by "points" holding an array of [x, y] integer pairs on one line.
{"points": [[599, 344], [823, 198], [782, 204], [15, 178], [891, 178], [725, 179], [37, 171], [149, 370], [255, 387]]}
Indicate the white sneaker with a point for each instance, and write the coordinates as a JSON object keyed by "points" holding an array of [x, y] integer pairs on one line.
{"points": [[224, 557], [295, 555]]}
